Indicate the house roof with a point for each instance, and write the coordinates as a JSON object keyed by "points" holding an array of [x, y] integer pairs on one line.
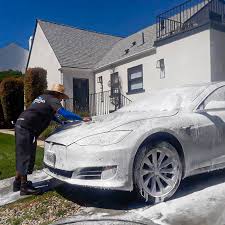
{"points": [[76, 47], [88, 49], [125, 48], [13, 57]]}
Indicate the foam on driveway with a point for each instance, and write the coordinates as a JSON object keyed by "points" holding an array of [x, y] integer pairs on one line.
{"points": [[200, 202], [39, 178]]}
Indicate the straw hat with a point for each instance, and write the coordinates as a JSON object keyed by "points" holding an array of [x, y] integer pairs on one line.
{"points": [[58, 88]]}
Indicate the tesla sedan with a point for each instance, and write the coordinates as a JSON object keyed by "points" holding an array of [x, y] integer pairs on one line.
{"points": [[148, 146]]}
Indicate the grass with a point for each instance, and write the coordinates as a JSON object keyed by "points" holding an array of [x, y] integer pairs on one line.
{"points": [[7, 156], [41, 210]]}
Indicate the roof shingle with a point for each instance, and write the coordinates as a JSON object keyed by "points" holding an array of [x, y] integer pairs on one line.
{"points": [[118, 50], [75, 47]]}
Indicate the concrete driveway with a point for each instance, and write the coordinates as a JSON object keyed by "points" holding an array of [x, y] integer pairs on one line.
{"points": [[200, 200]]}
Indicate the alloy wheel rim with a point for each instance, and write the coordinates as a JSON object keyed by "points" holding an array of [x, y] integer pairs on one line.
{"points": [[159, 172]]}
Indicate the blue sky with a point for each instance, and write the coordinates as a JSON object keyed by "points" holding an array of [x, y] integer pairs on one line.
{"points": [[117, 17]]}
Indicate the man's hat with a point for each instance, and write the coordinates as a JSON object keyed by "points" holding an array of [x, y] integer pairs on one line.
{"points": [[57, 88]]}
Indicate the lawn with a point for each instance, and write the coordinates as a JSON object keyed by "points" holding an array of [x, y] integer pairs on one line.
{"points": [[7, 156], [38, 210]]}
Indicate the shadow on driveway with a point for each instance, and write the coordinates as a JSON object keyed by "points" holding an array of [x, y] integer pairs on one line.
{"points": [[118, 200]]}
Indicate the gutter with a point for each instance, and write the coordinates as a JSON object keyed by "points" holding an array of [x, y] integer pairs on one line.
{"points": [[61, 76], [148, 51]]}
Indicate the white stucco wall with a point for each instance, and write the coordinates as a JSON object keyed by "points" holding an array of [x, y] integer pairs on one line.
{"points": [[43, 56], [13, 57], [187, 61], [218, 55], [149, 71]]}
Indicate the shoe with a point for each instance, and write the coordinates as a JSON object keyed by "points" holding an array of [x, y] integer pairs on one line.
{"points": [[28, 189], [16, 185]]}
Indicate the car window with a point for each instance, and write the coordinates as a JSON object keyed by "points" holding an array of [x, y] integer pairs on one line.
{"points": [[217, 95]]}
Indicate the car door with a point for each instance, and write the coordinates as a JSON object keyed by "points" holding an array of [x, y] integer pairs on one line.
{"points": [[211, 129]]}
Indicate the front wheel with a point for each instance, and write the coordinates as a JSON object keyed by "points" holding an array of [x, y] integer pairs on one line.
{"points": [[157, 172]]}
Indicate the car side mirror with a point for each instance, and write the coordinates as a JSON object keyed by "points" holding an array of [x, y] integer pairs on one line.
{"points": [[215, 105]]}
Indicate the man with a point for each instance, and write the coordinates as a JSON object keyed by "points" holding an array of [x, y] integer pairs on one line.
{"points": [[30, 124]]}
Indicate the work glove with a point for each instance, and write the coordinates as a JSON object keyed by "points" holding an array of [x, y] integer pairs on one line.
{"points": [[63, 123], [87, 119]]}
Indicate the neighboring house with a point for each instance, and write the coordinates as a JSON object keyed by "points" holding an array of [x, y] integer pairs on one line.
{"points": [[13, 57], [185, 46]]}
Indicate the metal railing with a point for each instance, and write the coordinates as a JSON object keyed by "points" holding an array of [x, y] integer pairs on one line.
{"points": [[101, 103], [190, 14]]}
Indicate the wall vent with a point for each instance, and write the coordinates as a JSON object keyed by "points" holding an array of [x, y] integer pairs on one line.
{"points": [[134, 43], [127, 51]]}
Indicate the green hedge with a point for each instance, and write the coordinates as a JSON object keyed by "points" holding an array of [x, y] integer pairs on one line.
{"points": [[35, 83], [47, 132], [2, 121], [12, 98], [4, 75], [10, 73]]}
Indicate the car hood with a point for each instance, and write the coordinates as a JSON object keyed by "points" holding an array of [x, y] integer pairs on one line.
{"points": [[73, 132]]}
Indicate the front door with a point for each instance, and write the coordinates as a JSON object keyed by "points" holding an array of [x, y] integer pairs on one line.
{"points": [[80, 95], [115, 84]]}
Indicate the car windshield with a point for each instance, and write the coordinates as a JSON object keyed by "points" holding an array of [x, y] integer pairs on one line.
{"points": [[165, 100]]}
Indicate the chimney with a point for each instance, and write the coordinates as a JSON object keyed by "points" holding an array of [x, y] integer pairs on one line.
{"points": [[30, 42]]}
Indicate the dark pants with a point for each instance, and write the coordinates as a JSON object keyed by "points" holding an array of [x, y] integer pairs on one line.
{"points": [[26, 144]]}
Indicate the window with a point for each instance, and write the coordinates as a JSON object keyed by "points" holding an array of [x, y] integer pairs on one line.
{"points": [[218, 95], [135, 79]]}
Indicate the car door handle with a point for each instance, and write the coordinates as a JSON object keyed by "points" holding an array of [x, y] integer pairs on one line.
{"points": [[188, 127]]}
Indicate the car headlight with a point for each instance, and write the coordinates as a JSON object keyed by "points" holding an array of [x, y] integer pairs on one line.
{"points": [[108, 138]]}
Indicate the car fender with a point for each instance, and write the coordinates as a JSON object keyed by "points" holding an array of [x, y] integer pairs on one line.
{"points": [[145, 136]]}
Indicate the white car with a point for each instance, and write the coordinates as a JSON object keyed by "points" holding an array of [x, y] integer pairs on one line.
{"points": [[147, 146]]}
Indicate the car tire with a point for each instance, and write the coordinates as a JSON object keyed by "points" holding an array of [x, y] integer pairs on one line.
{"points": [[157, 172]]}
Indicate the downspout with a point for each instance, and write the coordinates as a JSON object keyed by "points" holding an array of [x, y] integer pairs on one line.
{"points": [[61, 76], [61, 82]]}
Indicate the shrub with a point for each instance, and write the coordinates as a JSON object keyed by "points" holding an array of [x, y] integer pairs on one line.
{"points": [[10, 73], [3, 75], [12, 98], [1, 116], [48, 131], [35, 83]]}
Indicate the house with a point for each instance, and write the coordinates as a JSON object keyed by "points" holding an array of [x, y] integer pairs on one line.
{"points": [[186, 45], [13, 57], [69, 55]]}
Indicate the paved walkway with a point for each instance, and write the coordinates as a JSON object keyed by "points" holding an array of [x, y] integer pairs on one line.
{"points": [[39, 179], [40, 143]]}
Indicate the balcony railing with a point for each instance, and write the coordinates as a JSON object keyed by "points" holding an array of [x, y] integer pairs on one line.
{"points": [[99, 104], [188, 15]]}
